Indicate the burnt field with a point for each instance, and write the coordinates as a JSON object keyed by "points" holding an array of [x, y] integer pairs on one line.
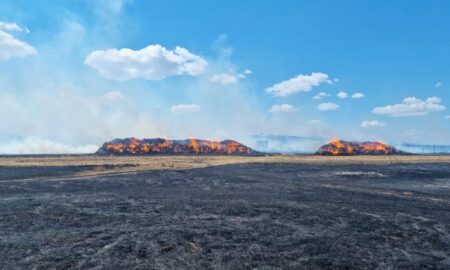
{"points": [[264, 215]]}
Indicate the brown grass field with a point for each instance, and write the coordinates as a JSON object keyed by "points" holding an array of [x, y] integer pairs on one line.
{"points": [[185, 162], [122, 164]]}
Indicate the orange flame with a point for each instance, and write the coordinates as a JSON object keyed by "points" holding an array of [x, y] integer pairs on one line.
{"points": [[163, 146], [337, 147]]}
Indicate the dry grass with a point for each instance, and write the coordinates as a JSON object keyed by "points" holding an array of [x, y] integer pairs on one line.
{"points": [[133, 163]]}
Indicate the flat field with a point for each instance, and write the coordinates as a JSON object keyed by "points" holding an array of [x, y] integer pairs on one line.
{"points": [[186, 212]]}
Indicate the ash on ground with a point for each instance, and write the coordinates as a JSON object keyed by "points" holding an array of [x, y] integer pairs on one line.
{"points": [[247, 216]]}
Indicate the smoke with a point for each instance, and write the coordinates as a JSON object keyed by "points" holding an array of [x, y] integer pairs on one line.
{"points": [[424, 148], [68, 122], [53, 103], [283, 144], [40, 146]]}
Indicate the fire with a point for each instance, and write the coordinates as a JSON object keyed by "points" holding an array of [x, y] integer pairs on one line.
{"points": [[193, 143], [345, 148], [135, 146]]}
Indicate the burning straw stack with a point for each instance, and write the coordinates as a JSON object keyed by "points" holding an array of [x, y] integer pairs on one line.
{"points": [[346, 148], [133, 146]]}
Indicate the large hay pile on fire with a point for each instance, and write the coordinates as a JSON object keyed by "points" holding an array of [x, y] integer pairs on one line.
{"points": [[346, 148], [133, 146]]}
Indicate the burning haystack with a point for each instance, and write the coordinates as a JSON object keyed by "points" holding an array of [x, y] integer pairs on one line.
{"points": [[133, 146], [345, 148]]}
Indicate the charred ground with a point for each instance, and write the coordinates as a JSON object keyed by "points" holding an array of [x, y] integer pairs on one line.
{"points": [[240, 216]]}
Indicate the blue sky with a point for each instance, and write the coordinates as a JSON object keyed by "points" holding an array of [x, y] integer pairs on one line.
{"points": [[77, 73]]}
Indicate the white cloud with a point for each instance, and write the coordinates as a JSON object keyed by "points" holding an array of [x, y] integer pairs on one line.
{"points": [[10, 47], [244, 74], [185, 108], [282, 108], [321, 95], [40, 146], [438, 84], [8, 26], [300, 83], [327, 106], [314, 122], [224, 78], [358, 95], [342, 95], [229, 77], [411, 106], [372, 123], [153, 62], [433, 100]]}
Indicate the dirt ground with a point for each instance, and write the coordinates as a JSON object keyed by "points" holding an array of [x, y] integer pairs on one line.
{"points": [[275, 212]]}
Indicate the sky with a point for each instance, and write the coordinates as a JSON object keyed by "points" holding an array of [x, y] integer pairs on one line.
{"points": [[74, 74]]}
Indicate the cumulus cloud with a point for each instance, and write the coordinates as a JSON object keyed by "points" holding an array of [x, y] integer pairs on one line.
{"points": [[372, 123], [342, 95], [224, 78], [358, 95], [327, 106], [10, 47], [321, 95], [438, 84], [300, 83], [40, 146], [153, 62], [185, 108], [411, 106], [286, 108]]}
